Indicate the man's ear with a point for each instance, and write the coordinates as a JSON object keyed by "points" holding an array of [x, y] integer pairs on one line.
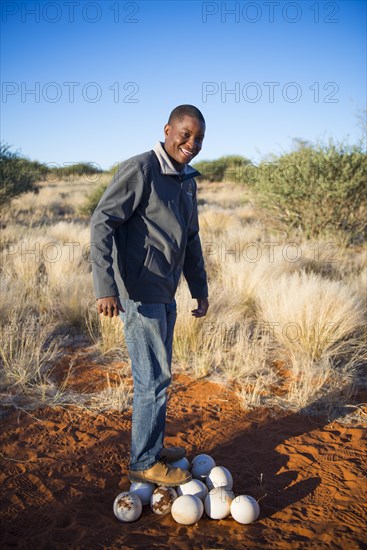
{"points": [[167, 129]]}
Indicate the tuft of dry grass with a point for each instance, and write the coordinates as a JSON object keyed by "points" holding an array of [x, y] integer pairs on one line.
{"points": [[117, 396], [48, 269], [311, 317], [28, 350], [112, 337]]}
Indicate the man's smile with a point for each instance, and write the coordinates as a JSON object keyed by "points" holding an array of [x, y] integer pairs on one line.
{"points": [[186, 152]]}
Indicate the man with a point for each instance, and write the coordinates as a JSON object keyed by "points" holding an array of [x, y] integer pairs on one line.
{"points": [[144, 234]]}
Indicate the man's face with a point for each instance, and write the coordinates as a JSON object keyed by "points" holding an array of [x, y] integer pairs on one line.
{"points": [[184, 139]]}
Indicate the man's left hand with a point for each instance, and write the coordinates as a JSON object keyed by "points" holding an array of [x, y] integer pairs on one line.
{"points": [[202, 308]]}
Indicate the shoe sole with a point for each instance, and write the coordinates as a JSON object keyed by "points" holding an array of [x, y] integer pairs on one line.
{"points": [[138, 479]]}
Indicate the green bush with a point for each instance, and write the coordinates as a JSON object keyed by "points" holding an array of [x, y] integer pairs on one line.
{"points": [[92, 200], [73, 170], [18, 174], [319, 190], [229, 168]]}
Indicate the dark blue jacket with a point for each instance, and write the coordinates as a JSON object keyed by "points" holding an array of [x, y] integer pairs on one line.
{"points": [[145, 232]]}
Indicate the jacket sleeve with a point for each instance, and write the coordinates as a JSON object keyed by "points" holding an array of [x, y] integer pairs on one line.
{"points": [[116, 206], [193, 269]]}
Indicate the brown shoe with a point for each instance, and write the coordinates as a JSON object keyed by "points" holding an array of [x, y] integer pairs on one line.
{"points": [[171, 454], [161, 474]]}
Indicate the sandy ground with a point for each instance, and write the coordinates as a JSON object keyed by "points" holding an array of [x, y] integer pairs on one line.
{"points": [[62, 468]]}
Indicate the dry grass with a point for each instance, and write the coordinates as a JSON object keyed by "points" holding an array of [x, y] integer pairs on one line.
{"points": [[311, 317], [28, 351], [57, 200], [46, 268], [117, 396], [285, 317], [316, 325], [294, 303]]}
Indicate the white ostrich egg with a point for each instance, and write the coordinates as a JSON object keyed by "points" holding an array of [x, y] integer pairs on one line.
{"points": [[162, 500], [127, 507], [194, 487], [183, 463], [201, 465], [245, 509], [144, 490], [187, 509], [219, 476], [218, 503]]}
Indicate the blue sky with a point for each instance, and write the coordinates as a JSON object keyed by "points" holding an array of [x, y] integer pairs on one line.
{"points": [[105, 75]]}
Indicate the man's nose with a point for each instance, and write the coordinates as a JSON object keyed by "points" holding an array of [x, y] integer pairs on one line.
{"points": [[191, 142]]}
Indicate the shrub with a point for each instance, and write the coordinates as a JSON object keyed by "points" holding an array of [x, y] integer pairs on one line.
{"points": [[318, 190], [17, 174], [227, 168], [78, 169], [92, 200]]}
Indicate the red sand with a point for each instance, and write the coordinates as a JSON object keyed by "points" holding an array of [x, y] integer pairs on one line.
{"points": [[64, 467]]}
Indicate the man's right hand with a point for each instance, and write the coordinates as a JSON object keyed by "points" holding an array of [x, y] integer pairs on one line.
{"points": [[109, 306]]}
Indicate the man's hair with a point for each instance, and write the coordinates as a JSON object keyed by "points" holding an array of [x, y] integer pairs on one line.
{"points": [[181, 111]]}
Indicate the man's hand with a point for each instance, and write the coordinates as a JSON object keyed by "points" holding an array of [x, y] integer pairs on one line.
{"points": [[109, 306], [202, 308]]}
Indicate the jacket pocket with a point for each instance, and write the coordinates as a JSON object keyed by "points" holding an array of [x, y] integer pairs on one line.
{"points": [[156, 263]]}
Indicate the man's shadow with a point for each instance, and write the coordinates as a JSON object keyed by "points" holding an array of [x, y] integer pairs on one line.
{"points": [[258, 468]]}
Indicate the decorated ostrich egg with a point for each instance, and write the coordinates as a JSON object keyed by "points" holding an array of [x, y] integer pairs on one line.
{"points": [[127, 507], [194, 487], [218, 503], [245, 509], [187, 509], [219, 476], [162, 500]]}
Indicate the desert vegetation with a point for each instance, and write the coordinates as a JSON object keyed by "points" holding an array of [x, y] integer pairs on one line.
{"points": [[284, 244]]}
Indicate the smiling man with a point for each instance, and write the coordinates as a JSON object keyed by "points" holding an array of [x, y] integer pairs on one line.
{"points": [[144, 235]]}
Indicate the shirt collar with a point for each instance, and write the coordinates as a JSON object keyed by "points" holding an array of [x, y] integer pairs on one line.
{"points": [[167, 167]]}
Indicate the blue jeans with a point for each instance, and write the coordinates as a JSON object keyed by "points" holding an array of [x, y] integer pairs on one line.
{"points": [[148, 330]]}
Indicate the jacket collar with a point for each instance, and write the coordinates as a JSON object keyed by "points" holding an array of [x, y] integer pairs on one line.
{"points": [[167, 167]]}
